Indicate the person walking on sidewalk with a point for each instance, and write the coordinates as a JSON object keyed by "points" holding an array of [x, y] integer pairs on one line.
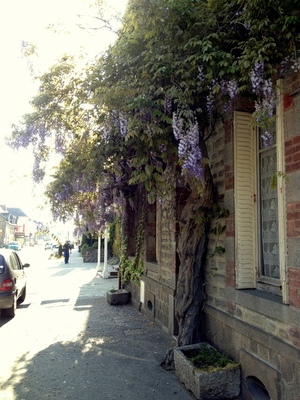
{"points": [[66, 251]]}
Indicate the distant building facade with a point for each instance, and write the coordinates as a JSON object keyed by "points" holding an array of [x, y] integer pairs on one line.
{"points": [[14, 225]]}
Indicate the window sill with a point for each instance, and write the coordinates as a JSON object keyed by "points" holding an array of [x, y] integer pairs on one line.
{"points": [[264, 295], [151, 265]]}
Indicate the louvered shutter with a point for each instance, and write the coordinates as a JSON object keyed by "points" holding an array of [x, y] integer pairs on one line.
{"points": [[245, 196]]}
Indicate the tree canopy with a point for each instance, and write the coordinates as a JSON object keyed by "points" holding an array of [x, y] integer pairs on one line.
{"points": [[171, 64], [151, 101]]}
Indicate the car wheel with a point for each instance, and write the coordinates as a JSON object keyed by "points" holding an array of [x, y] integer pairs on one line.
{"points": [[11, 312], [23, 296]]}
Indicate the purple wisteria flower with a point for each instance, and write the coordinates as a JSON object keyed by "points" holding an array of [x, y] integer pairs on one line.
{"points": [[177, 125], [201, 75], [210, 104], [188, 148], [163, 148], [230, 88], [265, 105], [123, 125], [267, 139], [168, 106], [106, 131]]}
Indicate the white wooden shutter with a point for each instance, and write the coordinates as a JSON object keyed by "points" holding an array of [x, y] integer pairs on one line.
{"points": [[245, 197]]}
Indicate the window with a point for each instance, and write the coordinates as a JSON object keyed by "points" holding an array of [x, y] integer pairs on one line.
{"points": [[13, 262], [267, 209], [259, 208]]}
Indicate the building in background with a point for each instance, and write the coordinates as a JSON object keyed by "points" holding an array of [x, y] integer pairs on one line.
{"points": [[14, 225]]}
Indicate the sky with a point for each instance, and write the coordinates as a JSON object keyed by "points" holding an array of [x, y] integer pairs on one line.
{"points": [[53, 26]]}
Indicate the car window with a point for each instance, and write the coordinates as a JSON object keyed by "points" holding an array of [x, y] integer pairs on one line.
{"points": [[2, 263], [13, 261], [18, 261]]}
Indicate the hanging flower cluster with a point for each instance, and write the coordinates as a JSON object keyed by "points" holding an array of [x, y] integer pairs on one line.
{"points": [[266, 102], [229, 88], [188, 147]]}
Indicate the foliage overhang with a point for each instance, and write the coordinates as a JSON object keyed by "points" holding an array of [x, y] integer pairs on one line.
{"points": [[146, 102]]}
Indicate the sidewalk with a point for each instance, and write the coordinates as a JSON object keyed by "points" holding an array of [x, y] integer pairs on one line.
{"points": [[130, 348]]}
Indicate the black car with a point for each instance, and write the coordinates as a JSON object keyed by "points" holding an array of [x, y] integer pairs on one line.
{"points": [[12, 282]]}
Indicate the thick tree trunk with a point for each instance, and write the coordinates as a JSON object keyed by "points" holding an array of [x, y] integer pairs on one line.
{"points": [[192, 249]]}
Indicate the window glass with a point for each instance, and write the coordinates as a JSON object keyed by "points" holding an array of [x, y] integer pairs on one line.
{"points": [[14, 262], [268, 209]]}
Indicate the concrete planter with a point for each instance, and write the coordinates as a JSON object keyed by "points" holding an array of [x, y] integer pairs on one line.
{"points": [[90, 256], [118, 297], [221, 384]]}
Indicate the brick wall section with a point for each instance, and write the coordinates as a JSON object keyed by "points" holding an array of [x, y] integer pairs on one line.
{"points": [[228, 131], [294, 286], [292, 83], [295, 334], [293, 219], [230, 272], [230, 231], [229, 178], [292, 154]]}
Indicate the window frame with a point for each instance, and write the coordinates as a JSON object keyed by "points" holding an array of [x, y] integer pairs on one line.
{"points": [[246, 204]]}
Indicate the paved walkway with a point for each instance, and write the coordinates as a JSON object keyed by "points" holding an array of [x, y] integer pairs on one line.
{"points": [[127, 348]]}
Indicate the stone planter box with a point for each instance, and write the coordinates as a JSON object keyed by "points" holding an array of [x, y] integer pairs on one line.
{"points": [[221, 384], [90, 256], [118, 297]]}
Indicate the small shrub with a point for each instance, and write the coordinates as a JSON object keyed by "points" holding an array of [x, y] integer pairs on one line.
{"points": [[84, 249], [207, 358], [94, 245]]}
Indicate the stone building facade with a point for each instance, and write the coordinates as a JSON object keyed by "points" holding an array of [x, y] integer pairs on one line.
{"points": [[252, 310]]}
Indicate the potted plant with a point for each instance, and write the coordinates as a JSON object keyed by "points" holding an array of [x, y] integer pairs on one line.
{"points": [[208, 373], [117, 297]]}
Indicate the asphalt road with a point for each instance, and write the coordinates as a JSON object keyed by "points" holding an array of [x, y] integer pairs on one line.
{"points": [[67, 342]]}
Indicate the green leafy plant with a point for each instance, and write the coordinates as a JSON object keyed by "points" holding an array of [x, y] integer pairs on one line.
{"points": [[208, 358], [84, 249], [219, 213], [94, 245], [273, 180], [132, 269]]}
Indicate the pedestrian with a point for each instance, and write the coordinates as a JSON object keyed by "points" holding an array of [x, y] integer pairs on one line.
{"points": [[66, 251]]}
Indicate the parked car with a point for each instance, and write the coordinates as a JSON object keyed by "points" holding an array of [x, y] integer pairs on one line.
{"points": [[12, 282], [55, 249], [14, 245], [48, 245]]}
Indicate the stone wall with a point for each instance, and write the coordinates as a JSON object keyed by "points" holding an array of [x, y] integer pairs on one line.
{"points": [[252, 326], [155, 297]]}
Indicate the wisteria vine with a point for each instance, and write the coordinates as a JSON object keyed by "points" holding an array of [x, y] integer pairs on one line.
{"points": [[188, 147]]}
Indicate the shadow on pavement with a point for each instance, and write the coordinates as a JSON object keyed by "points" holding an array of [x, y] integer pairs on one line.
{"points": [[116, 355]]}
